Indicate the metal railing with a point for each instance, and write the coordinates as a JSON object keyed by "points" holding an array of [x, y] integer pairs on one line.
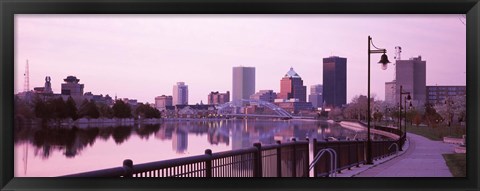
{"points": [[281, 160], [333, 160], [290, 159]]}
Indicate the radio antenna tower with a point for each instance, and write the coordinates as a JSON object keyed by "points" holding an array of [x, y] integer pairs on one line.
{"points": [[26, 85], [398, 51]]}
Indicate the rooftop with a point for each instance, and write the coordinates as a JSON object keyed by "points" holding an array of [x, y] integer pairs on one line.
{"points": [[292, 74]]}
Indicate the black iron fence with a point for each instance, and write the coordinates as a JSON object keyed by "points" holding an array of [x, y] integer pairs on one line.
{"points": [[290, 159], [353, 153]]}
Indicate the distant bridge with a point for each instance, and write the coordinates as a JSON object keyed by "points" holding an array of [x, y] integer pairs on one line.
{"points": [[231, 109]]}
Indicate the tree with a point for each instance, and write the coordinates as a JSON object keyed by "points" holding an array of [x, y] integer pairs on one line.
{"points": [[88, 109], [71, 108], [335, 114], [121, 109], [59, 108], [431, 115], [146, 111], [377, 116], [41, 109], [105, 111], [23, 109]]}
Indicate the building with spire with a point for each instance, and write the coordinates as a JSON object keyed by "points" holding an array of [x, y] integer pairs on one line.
{"points": [[293, 94], [291, 86]]}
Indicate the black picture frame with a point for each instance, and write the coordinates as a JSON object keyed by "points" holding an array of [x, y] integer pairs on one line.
{"points": [[10, 7]]}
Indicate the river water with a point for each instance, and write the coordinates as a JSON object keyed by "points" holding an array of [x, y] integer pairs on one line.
{"points": [[46, 152]]}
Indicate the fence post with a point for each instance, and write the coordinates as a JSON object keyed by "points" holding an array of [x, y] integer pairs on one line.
{"points": [[128, 168], [401, 142], [279, 159], [208, 163], [294, 158], [258, 160], [314, 147]]}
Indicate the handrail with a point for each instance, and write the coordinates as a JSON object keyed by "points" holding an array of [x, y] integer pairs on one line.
{"points": [[333, 160], [396, 147]]}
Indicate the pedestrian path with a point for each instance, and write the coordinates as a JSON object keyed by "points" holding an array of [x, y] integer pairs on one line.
{"points": [[422, 158]]}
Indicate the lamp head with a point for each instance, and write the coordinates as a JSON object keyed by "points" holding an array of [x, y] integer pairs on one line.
{"points": [[384, 61], [409, 97]]}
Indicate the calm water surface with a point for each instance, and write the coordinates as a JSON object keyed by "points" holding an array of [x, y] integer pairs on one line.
{"points": [[59, 151]]}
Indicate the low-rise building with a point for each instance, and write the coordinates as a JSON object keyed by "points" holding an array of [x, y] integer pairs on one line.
{"points": [[436, 94], [216, 98], [264, 95], [293, 105], [161, 102]]}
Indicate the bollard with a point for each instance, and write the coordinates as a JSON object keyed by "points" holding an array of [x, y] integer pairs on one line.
{"points": [[128, 168], [208, 163]]}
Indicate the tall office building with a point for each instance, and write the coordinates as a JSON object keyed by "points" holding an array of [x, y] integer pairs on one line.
{"points": [[72, 87], [291, 86], [316, 95], [180, 94], [243, 82], [335, 81], [411, 75]]}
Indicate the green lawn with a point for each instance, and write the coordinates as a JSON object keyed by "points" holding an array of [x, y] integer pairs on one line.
{"points": [[457, 164], [437, 133]]}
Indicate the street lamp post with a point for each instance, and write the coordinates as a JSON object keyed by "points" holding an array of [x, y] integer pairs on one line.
{"points": [[405, 120], [400, 113], [384, 61]]}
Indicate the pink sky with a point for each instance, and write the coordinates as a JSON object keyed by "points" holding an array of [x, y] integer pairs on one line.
{"points": [[143, 56]]}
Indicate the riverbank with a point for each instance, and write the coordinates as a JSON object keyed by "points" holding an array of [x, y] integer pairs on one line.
{"points": [[354, 126]]}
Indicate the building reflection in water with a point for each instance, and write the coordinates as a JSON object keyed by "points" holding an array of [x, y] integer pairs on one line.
{"points": [[221, 135], [241, 134]]}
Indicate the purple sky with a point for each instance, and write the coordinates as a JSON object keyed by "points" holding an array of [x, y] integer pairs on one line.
{"points": [[143, 56]]}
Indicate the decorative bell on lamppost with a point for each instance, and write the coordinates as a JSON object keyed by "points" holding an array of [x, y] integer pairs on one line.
{"points": [[384, 61]]}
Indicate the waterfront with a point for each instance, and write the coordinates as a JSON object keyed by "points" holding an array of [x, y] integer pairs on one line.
{"points": [[59, 151]]}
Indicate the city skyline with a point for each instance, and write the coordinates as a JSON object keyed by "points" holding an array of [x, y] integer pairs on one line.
{"points": [[112, 56]]}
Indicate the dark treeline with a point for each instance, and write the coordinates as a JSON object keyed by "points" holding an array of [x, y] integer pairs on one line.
{"points": [[57, 109]]}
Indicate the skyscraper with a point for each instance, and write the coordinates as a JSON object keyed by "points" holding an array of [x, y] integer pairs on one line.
{"points": [[243, 82], [411, 75], [291, 86], [316, 95], [335, 81], [180, 94]]}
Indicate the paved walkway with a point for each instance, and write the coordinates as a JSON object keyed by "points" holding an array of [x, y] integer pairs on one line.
{"points": [[422, 158]]}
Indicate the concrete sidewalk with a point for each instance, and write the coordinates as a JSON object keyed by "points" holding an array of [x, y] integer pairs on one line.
{"points": [[422, 158]]}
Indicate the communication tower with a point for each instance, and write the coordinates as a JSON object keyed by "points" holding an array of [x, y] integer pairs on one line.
{"points": [[26, 85]]}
